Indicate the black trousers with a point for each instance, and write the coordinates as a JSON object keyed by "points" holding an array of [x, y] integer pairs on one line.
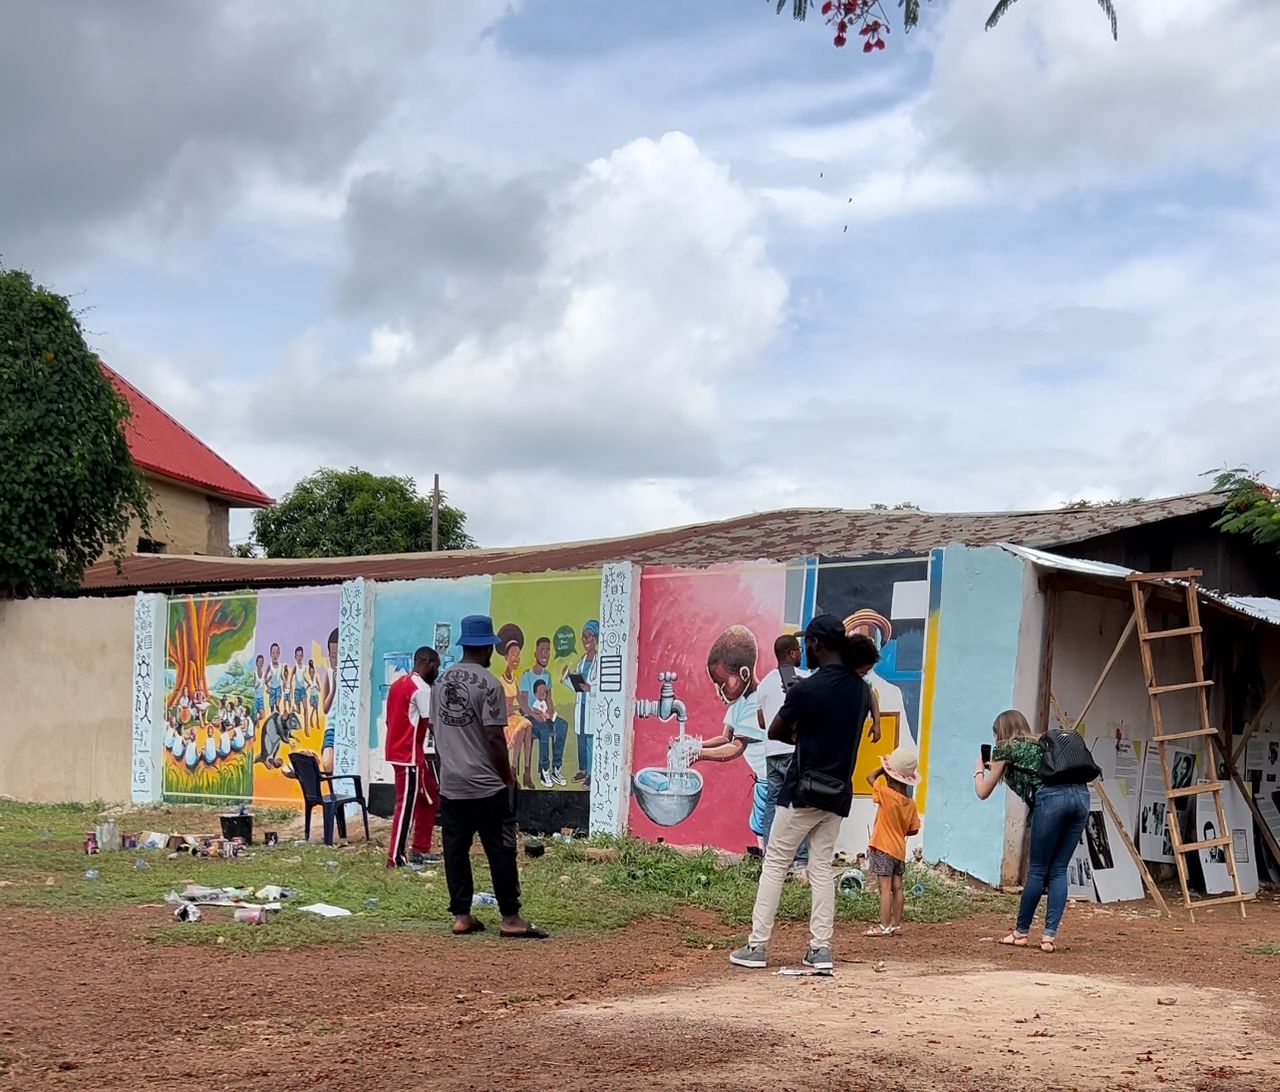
{"points": [[494, 819]]}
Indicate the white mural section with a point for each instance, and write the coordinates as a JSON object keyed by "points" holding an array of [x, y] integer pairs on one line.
{"points": [[609, 797], [144, 772]]}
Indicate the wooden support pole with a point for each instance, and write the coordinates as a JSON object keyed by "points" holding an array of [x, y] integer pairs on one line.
{"points": [[1046, 658], [1106, 671], [1267, 702]]}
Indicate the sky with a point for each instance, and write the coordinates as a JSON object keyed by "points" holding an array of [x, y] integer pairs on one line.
{"points": [[612, 267]]}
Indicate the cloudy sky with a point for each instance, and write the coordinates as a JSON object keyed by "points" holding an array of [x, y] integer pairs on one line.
{"points": [[607, 267]]}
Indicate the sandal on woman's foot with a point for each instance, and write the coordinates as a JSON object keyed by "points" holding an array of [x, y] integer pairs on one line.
{"points": [[1015, 940], [1047, 944], [879, 931]]}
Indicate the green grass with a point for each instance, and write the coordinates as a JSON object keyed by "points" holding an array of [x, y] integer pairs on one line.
{"points": [[1265, 949], [563, 890]]}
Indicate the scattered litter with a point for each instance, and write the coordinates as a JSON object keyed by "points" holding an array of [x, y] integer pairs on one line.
{"points": [[149, 839], [852, 880], [272, 892], [140, 864], [187, 912], [534, 849], [371, 902], [880, 967], [327, 911], [271, 838], [50, 881], [1166, 1000], [331, 864], [251, 915], [987, 940], [918, 890], [91, 842], [804, 972], [484, 898], [92, 874], [108, 835]]}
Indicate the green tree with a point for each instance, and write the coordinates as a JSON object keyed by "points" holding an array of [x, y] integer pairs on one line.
{"points": [[1251, 508], [868, 20], [350, 513], [68, 486]]}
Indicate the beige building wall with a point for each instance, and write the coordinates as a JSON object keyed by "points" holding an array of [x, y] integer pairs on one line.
{"points": [[66, 672], [185, 520]]}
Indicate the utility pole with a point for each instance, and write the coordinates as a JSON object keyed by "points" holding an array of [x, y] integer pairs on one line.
{"points": [[435, 515]]}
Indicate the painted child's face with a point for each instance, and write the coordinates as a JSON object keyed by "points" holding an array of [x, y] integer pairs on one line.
{"points": [[297, 655], [730, 685], [543, 653], [540, 691], [261, 660], [275, 654]]}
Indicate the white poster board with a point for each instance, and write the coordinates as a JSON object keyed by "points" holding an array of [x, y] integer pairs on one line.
{"points": [[1115, 875], [1154, 840], [1213, 862]]}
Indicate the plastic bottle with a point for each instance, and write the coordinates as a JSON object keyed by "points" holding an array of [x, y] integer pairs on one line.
{"points": [[484, 898], [92, 874], [140, 864]]}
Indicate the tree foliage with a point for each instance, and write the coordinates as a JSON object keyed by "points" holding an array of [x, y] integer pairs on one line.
{"points": [[203, 631], [1252, 507], [349, 513], [868, 20], [68, 486]]}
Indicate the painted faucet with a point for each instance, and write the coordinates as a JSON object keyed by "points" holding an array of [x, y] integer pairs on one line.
{"points": [[667, 705]]}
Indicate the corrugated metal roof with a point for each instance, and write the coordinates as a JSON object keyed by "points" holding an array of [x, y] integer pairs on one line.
{"points": [[161, 446], [772, 536], [1255, 608]]}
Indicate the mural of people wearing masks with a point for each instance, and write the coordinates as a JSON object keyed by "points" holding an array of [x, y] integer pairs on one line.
{"points": [[731, 665], [586, 672]]}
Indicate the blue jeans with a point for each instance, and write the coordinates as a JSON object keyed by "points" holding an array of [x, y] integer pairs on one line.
{"points": [[1057, 821], [777, 766], [546, 732], [586, 753]]}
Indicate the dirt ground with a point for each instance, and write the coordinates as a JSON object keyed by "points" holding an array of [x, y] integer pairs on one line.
{"points": [[87, 1003]]}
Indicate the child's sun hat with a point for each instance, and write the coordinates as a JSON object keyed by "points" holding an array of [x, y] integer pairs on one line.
{"points": [[903, 765]]}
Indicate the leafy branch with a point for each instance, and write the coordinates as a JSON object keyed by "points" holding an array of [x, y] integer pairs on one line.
{"points": [[1252, 506]]}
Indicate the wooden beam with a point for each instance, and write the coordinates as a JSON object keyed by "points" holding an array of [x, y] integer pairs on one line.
{"points": [[1046, 658], [1111, 663], [1267, 702]]}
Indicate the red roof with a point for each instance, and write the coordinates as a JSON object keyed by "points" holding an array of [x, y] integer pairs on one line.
{"points": [[161, 446]]}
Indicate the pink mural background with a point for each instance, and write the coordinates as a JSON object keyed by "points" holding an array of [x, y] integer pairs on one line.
{"points": [[682, 612]]}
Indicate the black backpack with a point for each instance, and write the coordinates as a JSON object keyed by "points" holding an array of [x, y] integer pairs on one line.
{"points": [[1065, 759]]}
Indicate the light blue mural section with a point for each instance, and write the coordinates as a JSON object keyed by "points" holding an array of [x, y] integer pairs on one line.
{"points": [[978, 617], [408, 615]]}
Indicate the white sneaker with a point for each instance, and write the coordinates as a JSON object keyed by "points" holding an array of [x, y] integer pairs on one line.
{"points": [[545, 778], [557, 777]]}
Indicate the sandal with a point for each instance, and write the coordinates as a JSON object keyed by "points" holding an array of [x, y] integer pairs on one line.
{"points": [[1047, 944], [879, 931], [474, 927], [529, 932], [1015, 940]]}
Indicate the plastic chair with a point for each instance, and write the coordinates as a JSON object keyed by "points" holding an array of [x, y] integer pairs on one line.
{"points": [[332, 804]]}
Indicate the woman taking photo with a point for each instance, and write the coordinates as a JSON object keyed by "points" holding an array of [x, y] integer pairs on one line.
{"points": [[1058, 815]]}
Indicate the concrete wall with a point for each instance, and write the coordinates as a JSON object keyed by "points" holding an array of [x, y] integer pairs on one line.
{"points": [[66, 667], [979, 621]]}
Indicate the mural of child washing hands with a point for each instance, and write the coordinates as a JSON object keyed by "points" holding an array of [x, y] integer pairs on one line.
{"points": [[731, 666]]}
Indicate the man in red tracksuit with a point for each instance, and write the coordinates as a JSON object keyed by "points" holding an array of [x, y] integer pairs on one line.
{"points": [[417, 792]]}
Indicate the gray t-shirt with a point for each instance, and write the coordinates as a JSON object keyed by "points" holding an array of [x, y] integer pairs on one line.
{"points": [[465, 701]]}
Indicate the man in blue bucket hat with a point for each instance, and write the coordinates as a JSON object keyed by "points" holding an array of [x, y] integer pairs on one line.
{"points": [[477, 784]]}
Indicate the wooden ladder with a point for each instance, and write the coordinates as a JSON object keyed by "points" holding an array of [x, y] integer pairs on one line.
{"points": [[1141, 584]]}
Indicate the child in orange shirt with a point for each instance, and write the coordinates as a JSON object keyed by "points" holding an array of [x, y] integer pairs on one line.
{"points": [[896, 820]]}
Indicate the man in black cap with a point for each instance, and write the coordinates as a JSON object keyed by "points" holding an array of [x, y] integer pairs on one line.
{"points": [[824, 716], [477, 784]]}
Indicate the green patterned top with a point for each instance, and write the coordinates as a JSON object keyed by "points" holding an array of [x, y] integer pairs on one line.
{"points": [[1021, 758]]}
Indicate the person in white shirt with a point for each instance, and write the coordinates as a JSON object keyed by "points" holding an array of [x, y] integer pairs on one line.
{"points": [[778, 755]]}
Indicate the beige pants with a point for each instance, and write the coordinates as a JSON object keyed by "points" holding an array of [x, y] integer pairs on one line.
{"points": [[790, 827]]}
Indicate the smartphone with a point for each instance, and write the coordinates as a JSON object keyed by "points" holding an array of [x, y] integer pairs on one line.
{"points": [[986, 755]]}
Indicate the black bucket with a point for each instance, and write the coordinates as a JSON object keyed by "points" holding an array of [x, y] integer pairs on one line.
{"points": [[238, 826]]}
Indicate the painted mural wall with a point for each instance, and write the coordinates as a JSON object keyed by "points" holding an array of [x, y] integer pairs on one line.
{"points": [[704, 642], [549, 663], [248, 679]]}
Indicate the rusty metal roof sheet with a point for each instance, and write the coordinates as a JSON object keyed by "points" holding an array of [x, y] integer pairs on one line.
{"points": [[772, 536]]}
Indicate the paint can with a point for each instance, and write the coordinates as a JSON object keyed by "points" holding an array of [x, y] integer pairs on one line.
{"points": [[271, 838], [251, 915], [91, 841]]}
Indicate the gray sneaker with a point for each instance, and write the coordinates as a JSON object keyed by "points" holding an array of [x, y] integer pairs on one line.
{"points": [[749, 955], [819, 959]]}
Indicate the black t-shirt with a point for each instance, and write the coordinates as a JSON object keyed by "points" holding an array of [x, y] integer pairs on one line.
{"points": [[828, 710]]}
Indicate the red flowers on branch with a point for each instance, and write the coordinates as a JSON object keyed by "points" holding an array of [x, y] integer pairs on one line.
{"points": [[867, 15]]}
